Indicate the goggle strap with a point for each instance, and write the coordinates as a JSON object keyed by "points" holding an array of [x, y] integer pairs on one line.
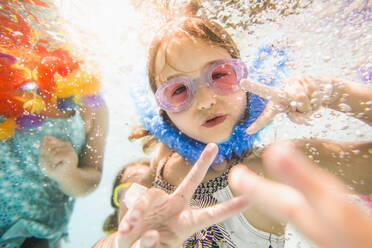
{"points": [[115, 195]]}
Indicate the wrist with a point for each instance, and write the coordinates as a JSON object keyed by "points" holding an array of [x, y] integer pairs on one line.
{"points": [[116, 241]]}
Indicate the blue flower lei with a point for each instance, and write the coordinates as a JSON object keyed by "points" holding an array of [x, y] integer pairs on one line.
{"points": [[268, 67]]}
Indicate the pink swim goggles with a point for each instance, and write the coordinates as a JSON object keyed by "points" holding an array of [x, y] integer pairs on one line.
{"points": [[222, 76]]}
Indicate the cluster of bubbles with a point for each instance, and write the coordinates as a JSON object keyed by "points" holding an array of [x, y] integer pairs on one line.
{"points": [[39, 69], [238, 16]]}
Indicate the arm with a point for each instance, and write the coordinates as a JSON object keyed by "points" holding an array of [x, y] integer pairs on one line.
{"points": [[77, 175], [86, 176], [349, 161], [316, 203], [168, 218], [356, 96], [106, 242], [301, 97]]}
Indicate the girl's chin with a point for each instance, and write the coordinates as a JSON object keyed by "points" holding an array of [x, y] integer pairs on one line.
{"points": [[211, 139]]}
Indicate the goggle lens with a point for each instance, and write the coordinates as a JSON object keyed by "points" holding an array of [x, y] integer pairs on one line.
{"points": [[224, 77], [176, 93]]}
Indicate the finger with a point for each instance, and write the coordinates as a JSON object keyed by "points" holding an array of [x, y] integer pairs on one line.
{"points": [[149, 239], [126, 235], [189, 184], [325, 194], [293, 168], [268, 92], [299, 118], [316, 94], [278, 200], [317, 80], [208, 216], [153, 198], [309, 84], [53, 148], [57, 150], [297, 91], [48, 161], [63, 151], [265, 118], [316, 100], [50, 140]]}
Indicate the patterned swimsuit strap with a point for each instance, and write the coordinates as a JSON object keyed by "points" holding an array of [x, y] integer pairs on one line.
{"points": [[205, 189]]}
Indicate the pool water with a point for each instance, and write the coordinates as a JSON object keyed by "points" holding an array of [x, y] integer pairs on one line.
{"points": [[331, 38]]}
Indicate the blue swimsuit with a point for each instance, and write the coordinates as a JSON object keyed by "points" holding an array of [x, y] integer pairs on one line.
{"points": [[31, 204]]}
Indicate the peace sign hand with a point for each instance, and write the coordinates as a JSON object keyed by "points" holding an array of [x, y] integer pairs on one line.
{"points": [[170, 215], [297, 97]]}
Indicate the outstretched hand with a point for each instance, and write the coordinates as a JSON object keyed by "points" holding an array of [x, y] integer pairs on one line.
{"points": [[159, 219], [314, 201], [297, 97], [57, 158]]}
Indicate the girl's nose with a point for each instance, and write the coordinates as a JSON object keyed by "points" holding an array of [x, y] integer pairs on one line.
{"points": [[205, 98]]}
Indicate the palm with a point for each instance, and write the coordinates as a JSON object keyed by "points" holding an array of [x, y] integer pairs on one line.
{"points": [[171, 215]]}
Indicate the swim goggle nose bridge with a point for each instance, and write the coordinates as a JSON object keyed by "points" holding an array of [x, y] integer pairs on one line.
{"points": [[222, 76]]}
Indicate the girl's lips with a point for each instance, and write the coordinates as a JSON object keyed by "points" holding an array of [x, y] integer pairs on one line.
{"points": [[213, 121]]}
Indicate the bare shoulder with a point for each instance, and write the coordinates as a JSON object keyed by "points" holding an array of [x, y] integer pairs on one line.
{"points": [[106, 242], [170, 165], [160, 155]]}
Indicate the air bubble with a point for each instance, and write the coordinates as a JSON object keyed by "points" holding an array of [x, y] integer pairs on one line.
{"points": [[344, 107], [327, 58], [356, 152]]}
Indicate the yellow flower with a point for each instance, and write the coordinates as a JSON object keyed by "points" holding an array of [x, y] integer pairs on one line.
{"points": [[7, 128], [35, 105]]}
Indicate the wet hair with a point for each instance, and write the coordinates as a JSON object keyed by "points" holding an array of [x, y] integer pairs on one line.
{"points": [[195, 28], [111, 222]]}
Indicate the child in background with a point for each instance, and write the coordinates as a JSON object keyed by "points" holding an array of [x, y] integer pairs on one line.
{"points": [[199, 83], [138, 172], [53, 125]]}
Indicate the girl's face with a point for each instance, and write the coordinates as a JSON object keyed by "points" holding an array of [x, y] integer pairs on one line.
{"points": [[210, 117]]}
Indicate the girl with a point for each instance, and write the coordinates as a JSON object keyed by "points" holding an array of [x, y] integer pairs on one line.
{"points": [[199, 81], [137, 172]]}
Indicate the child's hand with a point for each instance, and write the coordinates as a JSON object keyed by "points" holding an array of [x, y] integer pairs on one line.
{"points": [[297, 97], [170, 216], [57, 158], [310, 198]]}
